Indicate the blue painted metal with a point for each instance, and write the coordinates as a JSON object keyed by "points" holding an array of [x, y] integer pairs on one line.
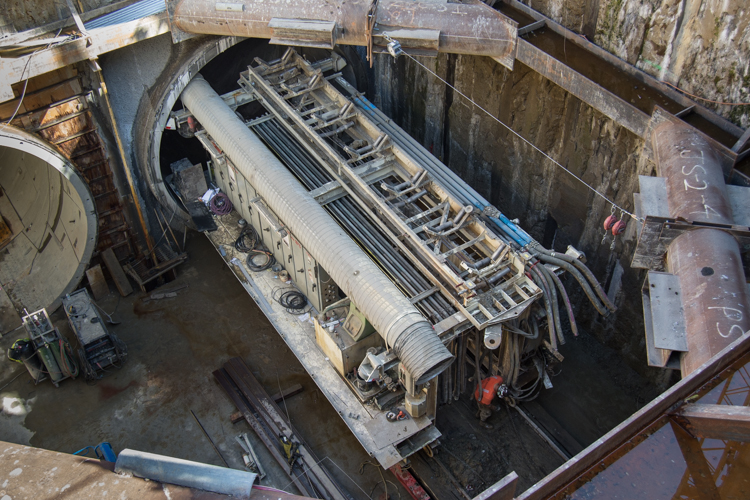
{"points": [[102, 451], [185, 473]]}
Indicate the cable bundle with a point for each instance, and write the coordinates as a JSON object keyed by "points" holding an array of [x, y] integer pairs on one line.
{"points": [[293, 301], [248, 242], [220, 204]]}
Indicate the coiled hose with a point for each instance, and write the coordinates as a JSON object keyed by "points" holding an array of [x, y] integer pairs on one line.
{"points": [[248, 242], [220, 204]]}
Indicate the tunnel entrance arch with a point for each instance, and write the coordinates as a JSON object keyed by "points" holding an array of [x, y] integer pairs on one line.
{"points": [[219, 60]]}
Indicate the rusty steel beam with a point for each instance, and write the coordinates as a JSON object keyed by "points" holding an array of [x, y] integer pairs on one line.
{"points": [[411, 485], [724, 422], [425, 27], [593, 94], [697, 465], [505, 489], [706, 261]]}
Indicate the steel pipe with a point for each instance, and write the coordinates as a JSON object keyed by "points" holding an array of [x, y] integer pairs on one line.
{"points": [[400, 324], [459, 28], [714, 298], [185, 473]]}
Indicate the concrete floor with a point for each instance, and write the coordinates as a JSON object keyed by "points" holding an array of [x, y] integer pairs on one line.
{"points": [[174, 344]]}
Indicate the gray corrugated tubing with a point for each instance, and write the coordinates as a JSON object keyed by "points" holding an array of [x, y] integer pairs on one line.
{"points": [[402, 326], [185, 473]]}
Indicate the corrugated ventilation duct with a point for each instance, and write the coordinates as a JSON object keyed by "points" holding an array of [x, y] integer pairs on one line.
{"points": [[404, 329]]}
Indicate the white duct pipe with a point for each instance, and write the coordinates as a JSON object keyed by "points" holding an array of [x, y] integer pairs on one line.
{"points": [[185, 473], [402, 326]]}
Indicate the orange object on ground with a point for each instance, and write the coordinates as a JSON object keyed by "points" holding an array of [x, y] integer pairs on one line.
{"points": [[489, 389]]}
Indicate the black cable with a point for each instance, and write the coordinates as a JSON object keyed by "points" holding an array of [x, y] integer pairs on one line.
{"points": [[247, 239], [292, 300], [248, 242], [250, 260]]}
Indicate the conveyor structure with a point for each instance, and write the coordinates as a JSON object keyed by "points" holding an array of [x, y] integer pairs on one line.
{"points": [[406, 268]]}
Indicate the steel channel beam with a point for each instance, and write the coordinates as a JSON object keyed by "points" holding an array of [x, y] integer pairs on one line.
{"points": [[725, 422], [707, 261]]}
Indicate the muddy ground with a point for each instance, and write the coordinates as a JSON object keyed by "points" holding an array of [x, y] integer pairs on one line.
{"points": [[175, 343]]}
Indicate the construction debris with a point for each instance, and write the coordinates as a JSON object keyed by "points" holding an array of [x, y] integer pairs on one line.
{"points": [[267, 420]]}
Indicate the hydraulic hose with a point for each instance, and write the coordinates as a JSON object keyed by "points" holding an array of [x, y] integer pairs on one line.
{"points": [[542, 283], [583, 269], [579, 277], [566, 300], [544, 273]]}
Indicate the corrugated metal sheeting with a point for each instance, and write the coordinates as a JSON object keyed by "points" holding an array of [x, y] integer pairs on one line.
{"points": [[138, 10]]}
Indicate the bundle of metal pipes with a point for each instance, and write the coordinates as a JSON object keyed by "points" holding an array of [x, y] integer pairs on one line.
{"points": [[400, 270]]}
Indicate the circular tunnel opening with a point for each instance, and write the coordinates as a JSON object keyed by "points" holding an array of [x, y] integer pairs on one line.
{"points": [[222, 73], [48, 225]]}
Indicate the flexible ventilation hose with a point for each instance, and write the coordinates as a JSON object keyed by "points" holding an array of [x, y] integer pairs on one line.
{"points": [[394, 317]]}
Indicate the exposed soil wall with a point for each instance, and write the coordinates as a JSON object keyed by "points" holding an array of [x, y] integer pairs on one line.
{"points": [[701, 46]]}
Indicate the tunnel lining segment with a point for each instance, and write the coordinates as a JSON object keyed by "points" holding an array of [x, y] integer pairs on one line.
{"points": [[13, 138]]}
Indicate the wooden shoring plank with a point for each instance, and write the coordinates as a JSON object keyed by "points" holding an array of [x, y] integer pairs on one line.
{"points": [[115, 270], [97, 282]]}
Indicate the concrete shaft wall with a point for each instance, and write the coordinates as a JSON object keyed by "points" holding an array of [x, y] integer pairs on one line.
{"points": [[702, 46], [552, 205]]}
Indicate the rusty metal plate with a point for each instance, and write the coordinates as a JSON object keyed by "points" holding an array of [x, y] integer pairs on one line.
{"points": [[653, 191], [739, 200], [665, 297]]}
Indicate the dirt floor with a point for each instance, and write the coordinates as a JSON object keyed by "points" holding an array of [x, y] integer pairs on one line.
{"points": [[175, 343]]}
